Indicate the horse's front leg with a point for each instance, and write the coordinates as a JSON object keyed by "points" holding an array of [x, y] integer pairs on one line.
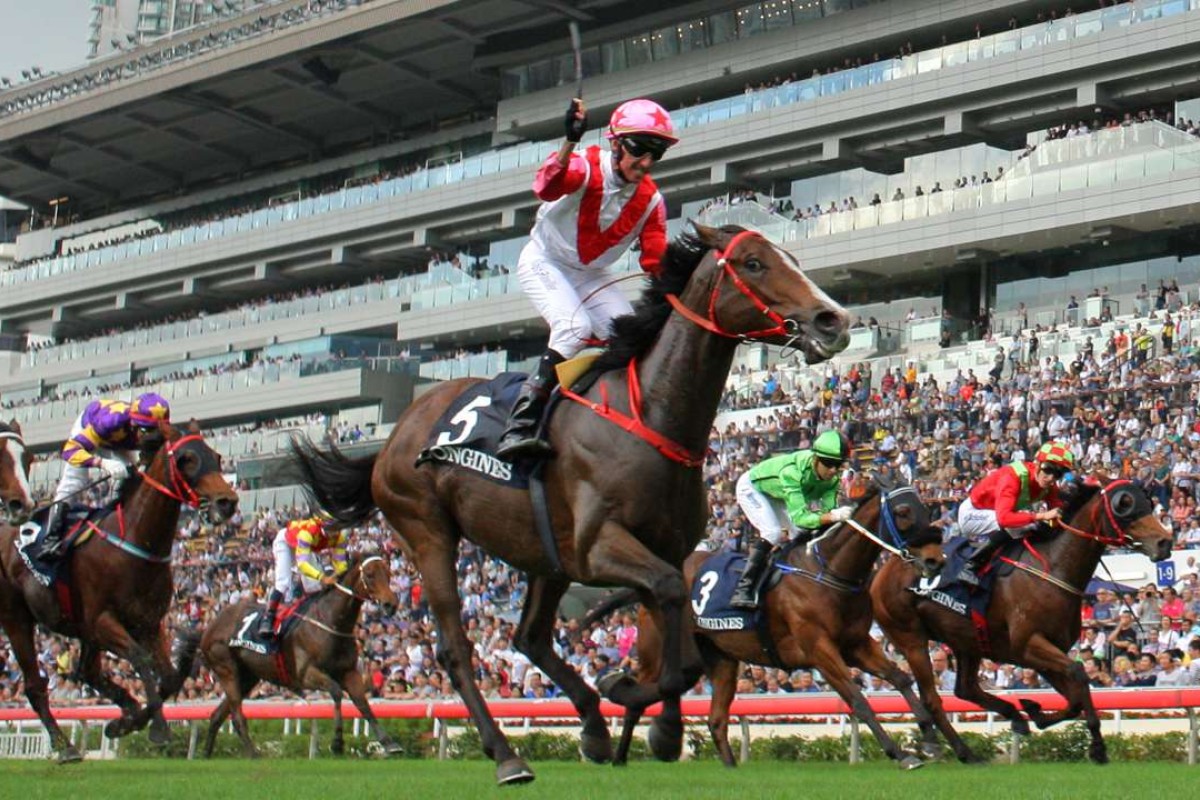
{"points": [[93, 674], [966, 686], [533, 638], [353, 684], [147, 667], [619, 558], [915, 648], [1068, 679]]}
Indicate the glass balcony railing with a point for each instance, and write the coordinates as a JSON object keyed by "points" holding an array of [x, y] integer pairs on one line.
{"points": [[529, 155]]}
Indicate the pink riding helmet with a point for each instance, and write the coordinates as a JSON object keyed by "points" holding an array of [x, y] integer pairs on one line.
{"points": [[641, 116]]}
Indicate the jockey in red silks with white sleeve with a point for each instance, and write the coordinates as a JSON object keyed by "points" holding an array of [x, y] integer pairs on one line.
{"points": [[594, 206]]}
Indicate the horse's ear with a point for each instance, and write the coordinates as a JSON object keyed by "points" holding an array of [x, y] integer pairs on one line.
{"points": [[167, 430], [711, 237], [14, 425]]}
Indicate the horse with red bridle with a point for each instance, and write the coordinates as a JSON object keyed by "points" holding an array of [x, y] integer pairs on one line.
{"points": [[1033, 617], [118, 586], [625, 495]]}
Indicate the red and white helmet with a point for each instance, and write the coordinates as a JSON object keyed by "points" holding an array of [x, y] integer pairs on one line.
{"points": [[641, 116]]}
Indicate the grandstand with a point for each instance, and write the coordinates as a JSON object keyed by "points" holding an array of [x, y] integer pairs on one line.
{"points": [[306, 210]]}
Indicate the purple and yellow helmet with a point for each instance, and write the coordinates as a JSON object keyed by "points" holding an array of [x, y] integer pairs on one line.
{"points": [[149, 410]]}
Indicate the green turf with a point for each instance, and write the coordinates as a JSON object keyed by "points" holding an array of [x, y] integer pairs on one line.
{"points": [[418, 780]]}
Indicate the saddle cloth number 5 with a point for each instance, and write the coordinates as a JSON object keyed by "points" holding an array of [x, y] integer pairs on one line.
{"points": [[468, 418]]}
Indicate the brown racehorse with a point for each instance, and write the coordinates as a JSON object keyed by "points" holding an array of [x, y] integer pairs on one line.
{"points": [[626, 506], [1034, 614], [120, 587], [16, 500], [319, 653], [818, 615]]}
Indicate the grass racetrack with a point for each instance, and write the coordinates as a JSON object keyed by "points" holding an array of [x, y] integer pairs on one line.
{"points": [[285, 779]]}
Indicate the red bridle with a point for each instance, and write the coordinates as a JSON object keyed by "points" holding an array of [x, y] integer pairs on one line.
{"points": [[1122, 538], [179, 489], [783, 326]]}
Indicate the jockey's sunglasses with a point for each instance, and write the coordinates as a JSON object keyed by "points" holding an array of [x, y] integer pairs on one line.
{"points": [[1054, 472], [830, 463], [638, 146]]}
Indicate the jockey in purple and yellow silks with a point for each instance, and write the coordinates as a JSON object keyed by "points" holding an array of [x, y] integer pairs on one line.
{"points": [[295, 547], [104, 437]]}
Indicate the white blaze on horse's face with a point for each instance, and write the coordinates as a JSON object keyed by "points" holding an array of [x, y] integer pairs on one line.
{"points": [[15, 450]]}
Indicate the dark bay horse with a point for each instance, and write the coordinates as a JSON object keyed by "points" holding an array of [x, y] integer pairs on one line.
{"points": [[1034, 614], [120, 587], [818, 615], [319, 653], [626, 504], [16, 500]]}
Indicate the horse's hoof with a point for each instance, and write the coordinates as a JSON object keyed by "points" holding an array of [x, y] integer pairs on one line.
{"points": [[513, 771], [666, 742], [160, 732], [596, 749], [69, 755], [910, 762], [932, 749], [116, 728], [1020, 727], [970, 758], [393, 749], [1098, 755], [606, 683]]}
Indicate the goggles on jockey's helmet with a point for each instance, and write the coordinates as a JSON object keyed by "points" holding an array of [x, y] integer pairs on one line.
{"points": [[642, 120], [832, 448], [149, 410]]}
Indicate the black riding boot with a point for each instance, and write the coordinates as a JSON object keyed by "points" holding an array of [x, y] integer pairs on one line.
{"points": [[52, 545], [745, 595], [266, 623], [985, 551], [520, 439]]}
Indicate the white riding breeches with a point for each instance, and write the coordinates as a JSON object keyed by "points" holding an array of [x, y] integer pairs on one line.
{"points": [[979, 523], [767, 514], [285, 563], [578, 304]]}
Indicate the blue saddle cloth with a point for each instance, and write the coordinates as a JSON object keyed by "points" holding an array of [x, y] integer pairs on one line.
{"points": [[468, 431], [962, 597], [31, 541], [713, 588], [246, 634]]}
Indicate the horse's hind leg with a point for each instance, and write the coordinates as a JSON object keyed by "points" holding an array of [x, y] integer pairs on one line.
{"points": [[723, 672], [19, 626], [218, 717], [352, 683], [1068, 679], [533, 639], [435, 560], [828, 659]]}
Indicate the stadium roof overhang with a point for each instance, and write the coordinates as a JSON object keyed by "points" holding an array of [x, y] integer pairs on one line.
{"points": [[374, 73]]}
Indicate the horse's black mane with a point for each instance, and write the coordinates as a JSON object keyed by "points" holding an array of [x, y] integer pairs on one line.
{"points": [[633, 334], [1076, 496]]}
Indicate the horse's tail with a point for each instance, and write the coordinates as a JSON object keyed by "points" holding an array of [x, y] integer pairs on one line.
{"points": [[618, 599], [187, 642], [340, 485]]}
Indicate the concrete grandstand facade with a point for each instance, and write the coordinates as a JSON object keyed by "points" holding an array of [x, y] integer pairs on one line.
{"points": [[256, 124]]}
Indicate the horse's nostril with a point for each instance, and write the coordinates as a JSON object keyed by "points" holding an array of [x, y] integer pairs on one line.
{"points": [[829, 324]]}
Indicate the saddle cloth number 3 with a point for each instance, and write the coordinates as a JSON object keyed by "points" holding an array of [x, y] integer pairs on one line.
{"points": [[708, 582]]}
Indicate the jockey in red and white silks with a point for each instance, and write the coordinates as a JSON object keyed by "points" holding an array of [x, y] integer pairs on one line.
{"points": [[594, 206]]}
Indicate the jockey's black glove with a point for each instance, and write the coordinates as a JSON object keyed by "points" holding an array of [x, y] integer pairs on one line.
{"points": [[575, 122]]}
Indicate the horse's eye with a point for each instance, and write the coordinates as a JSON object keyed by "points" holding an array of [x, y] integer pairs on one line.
{"points": [[752, 264]]}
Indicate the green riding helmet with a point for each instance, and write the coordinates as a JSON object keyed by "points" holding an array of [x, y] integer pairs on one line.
{"points": [[832, 446]]}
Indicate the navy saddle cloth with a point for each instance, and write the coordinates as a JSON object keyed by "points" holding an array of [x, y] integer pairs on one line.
{"points": [[467, 433], [246, 635], [31, 540], [712, 589]]}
